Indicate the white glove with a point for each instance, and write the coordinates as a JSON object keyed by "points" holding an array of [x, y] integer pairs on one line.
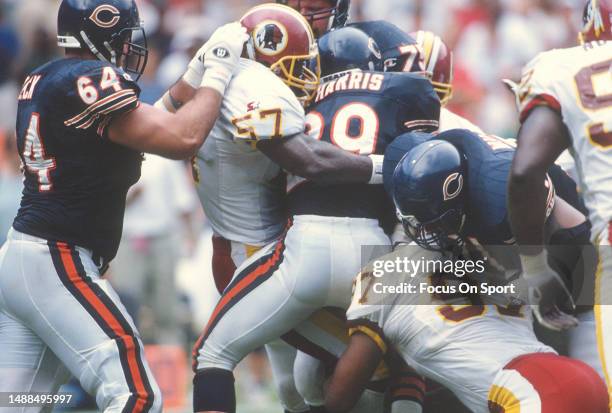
{"points": [[546, 292], [214, 64]]}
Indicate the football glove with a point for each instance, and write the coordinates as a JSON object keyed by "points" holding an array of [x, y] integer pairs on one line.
{"points": [[213, 65], [547, 293]]}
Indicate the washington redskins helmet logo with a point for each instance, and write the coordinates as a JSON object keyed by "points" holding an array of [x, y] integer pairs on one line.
{"points": [[105, 16], [270, 38], [452, 186]]}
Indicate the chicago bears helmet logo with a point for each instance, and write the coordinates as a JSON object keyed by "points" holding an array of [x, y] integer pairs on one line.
{"points": [[270, 38], [105, 16], [374, 48], [453, 185]]}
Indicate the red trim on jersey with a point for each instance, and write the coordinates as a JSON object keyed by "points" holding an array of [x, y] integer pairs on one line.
{"points": [[542, 99]]}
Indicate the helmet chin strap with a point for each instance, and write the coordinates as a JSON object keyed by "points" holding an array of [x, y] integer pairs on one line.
{"points": [[112, 53], [250, 48], [93, 48]]}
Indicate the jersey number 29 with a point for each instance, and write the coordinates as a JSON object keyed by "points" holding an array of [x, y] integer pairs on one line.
{"points": [[362, 143]]}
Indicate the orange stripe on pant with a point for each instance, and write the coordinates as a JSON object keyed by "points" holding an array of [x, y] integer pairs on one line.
{"points": [[110, 319], [227, 299]]}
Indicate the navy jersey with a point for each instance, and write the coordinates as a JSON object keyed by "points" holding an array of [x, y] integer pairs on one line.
{"points": [[76, 180], [489, 159], [362, 112]]}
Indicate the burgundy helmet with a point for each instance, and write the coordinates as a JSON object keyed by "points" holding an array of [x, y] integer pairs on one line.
{"points": [[597, 21], [281, 39], [438, 61]]}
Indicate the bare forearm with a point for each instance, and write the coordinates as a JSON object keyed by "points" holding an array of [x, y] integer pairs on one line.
{"points": [[527, 198], [318, 161], [335, 166], [176, 97], [194, 121], [352, 374], [175, 136]]}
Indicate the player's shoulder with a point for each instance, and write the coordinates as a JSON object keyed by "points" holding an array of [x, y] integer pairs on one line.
{"points": [[260, 106], [406, 86], [256, 85], [451, 120], [67, 72], [557, 64], [386, 34]]}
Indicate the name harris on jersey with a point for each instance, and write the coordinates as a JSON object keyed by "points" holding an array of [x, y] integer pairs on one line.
{"points": [[352, 80]]}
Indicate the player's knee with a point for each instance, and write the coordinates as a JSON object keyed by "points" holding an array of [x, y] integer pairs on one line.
{"points": [[213, 390], [204, 357], [549, 383]]}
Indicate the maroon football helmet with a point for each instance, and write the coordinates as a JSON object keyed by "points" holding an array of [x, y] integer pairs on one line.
{"points": [[281, 39], [438, 61], [597, 21]]}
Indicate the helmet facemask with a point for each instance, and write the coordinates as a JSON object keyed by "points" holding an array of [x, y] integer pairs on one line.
{"points": [[301, 73], [129, 51], [440, 234]]}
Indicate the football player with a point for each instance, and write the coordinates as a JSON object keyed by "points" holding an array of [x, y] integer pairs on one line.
{"points": [[421, 52], [260, 132], [280, 286], [356, 113], [565, 102], [322, 15], [81, 131], [486, 354]]}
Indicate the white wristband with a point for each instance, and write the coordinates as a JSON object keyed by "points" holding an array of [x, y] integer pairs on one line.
{"points": [[377, 169], [534, 265], [217, 79], [192, 77]]}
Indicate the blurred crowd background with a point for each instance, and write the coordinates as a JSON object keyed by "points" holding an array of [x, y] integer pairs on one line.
{"points": [[162, 271]]}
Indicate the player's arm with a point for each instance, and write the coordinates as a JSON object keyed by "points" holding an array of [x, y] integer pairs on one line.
{"points": [[175, 136], [542, 138], [352, 373], [176, 129], [320, 161]]}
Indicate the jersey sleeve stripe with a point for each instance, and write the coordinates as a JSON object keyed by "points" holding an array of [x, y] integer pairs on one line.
{"points": [[422, 124], [371, 330], [123, 103], [107, 120], [94, 108], [540, 100]]}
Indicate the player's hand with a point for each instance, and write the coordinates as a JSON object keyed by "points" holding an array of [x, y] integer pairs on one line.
{"points": [[215, 62], [548, 295]]}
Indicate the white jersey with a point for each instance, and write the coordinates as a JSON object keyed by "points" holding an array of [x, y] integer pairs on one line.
{"points": [[577, 83], [450, 120], [241, 190], [459, 345]]}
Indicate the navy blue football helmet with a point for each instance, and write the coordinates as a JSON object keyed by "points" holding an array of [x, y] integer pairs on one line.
{"points": [[110, 29], [429, 186], [338, 14], [348, 48]]}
